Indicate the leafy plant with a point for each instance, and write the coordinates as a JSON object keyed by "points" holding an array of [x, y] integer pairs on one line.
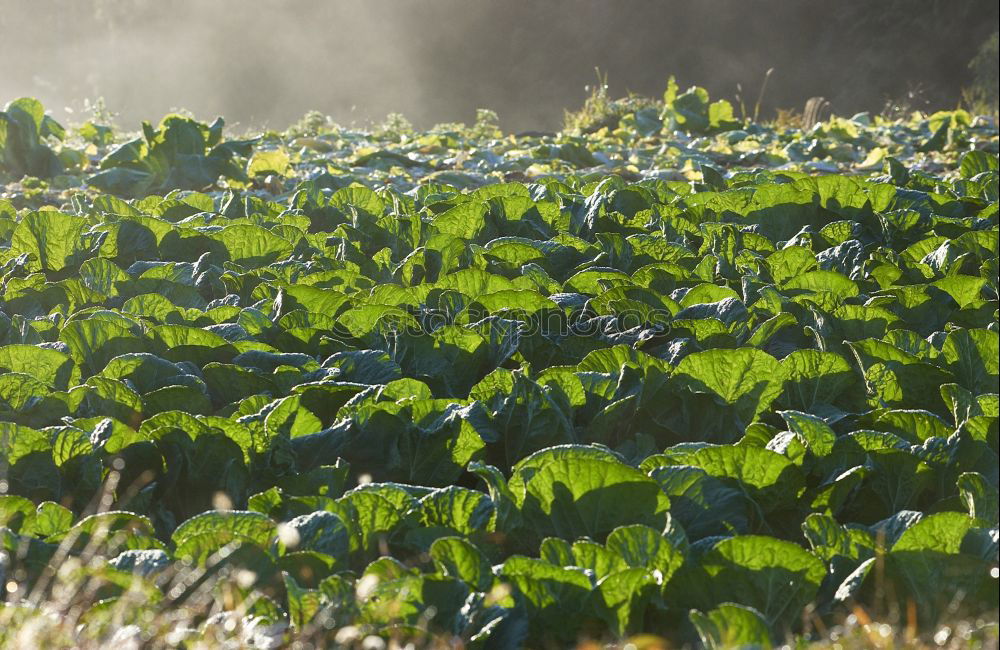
{"points": [[180, 153], [24, 130]]}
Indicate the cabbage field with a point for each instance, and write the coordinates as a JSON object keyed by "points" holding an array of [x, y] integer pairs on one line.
{"points": [[668, 375]]}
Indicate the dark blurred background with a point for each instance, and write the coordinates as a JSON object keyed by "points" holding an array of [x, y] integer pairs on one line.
{"points": [[267, 63]]}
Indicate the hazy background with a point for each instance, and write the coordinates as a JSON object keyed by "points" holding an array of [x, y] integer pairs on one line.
{"points": [[267, 63]]}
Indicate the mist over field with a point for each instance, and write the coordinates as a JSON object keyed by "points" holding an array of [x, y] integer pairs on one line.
{"points": [[438, 60]]}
